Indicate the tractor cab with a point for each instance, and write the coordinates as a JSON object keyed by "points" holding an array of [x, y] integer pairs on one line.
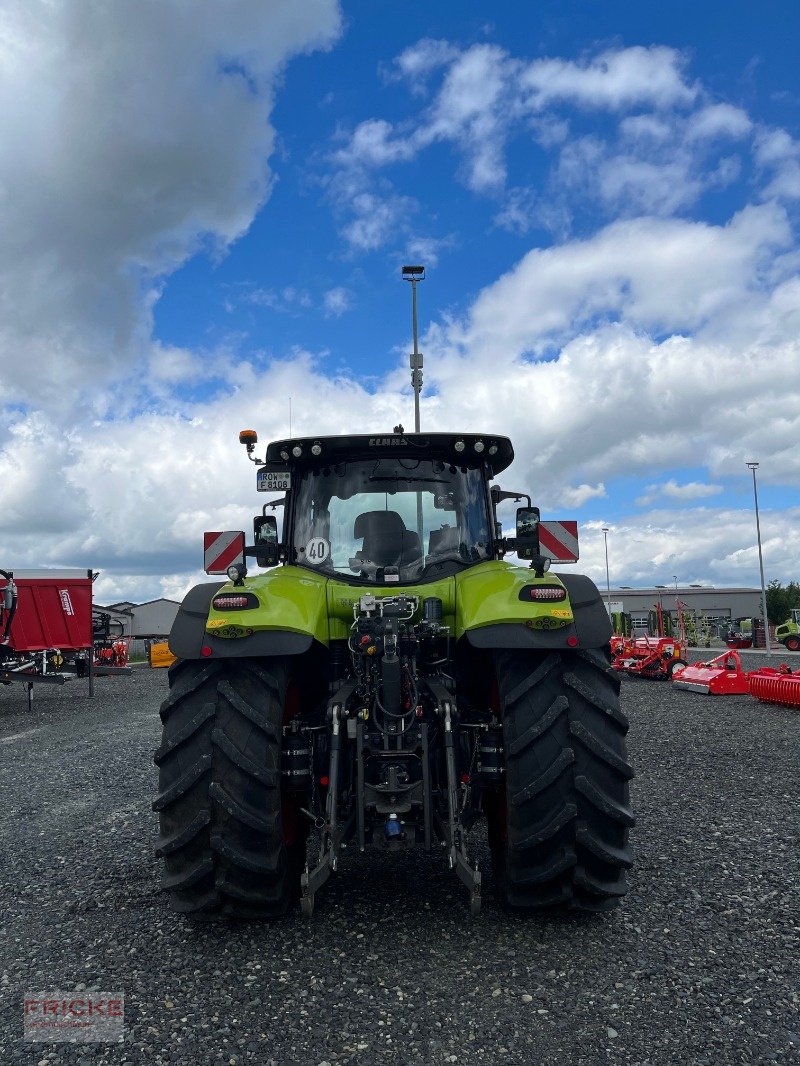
{"points": [[386, 510]]}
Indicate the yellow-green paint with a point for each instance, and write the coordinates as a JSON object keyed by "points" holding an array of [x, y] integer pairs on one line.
{"points": [[289, 598], [489, 593], [298, 600]]}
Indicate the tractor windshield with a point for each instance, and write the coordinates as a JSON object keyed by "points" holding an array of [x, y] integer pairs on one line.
{"points": [[389, 519]]}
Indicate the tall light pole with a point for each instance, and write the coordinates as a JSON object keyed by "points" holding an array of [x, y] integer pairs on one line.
{"points": [[753, 465], [415, 274], [608, 579]]}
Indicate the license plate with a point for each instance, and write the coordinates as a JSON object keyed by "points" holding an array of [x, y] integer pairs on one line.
{"points": [[270, 481]]}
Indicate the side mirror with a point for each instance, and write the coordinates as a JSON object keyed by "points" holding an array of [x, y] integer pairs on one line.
{"points": [[527, 539], [265, 535]]}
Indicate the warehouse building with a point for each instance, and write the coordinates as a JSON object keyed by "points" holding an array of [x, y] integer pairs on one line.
{"points": [[149, 620], [714, 605]]}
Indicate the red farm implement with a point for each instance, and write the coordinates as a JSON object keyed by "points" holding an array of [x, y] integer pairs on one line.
{"points": [[111, 648], [656, 658], [780, 685], [45, 620], [722, 676]]}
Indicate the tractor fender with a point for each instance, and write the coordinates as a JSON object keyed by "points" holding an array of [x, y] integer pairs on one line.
{"points": [[591, 627], [188, 634]]}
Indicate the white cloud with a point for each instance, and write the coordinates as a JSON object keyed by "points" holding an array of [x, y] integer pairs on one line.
{"points": [[373, 144], [337, 301], [718, 120], [615, 80], [424, 57], [426, 250], [699, 545], [638, 186], [289, 299], [662, 275], [130, 136], [578, 495], [376, 219], [471, 110], [664, 152], [778, 152], [691, 490]]}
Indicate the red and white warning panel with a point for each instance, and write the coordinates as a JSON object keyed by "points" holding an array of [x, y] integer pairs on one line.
{"points": [[559, 541], [222, 550]]}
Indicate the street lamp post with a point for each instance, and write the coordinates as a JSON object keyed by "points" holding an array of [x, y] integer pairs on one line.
{"points": [[608, 579], [753, 465], [415, 274]]}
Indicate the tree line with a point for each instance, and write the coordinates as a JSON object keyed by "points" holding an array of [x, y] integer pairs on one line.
{"points": [[781, 599]]}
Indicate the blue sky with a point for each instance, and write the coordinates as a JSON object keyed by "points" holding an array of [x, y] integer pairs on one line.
{"points": [[206, 211]]}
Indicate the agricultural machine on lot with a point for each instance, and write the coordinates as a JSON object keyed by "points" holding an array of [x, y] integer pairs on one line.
{"points": [[724, 676], [788, 633], [390, 680], [111, 648], [45, 625], [655, 658], [652, 657]]}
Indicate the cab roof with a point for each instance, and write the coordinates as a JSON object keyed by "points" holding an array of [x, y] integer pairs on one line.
{"points": [[462, 449]]}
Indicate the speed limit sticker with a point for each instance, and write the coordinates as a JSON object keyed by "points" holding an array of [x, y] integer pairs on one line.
{"points": [[317, 551]]}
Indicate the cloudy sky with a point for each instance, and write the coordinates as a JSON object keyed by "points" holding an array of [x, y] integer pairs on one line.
{"points": [[205, 207]]}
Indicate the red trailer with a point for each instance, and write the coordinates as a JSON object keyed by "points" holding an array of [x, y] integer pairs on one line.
{"points": [[45, 618]]}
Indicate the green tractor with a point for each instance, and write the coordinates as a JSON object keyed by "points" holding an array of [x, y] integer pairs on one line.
{"points": [[390, 681], [789, 632]]}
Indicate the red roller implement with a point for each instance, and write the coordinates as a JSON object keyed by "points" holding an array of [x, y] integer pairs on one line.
{"points": [[776, 686]]}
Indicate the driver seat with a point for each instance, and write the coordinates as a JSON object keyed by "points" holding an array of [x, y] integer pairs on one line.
{"points": [[387, 542]]}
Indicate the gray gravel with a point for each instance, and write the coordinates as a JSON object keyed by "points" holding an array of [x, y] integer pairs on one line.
{"points": [[700, 965]]}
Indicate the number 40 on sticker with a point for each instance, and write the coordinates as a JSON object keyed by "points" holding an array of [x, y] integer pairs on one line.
{"points": [[317, 551]]}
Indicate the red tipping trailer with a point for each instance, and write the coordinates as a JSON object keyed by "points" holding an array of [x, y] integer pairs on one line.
{"points": [[53, 610], [43, 615]]}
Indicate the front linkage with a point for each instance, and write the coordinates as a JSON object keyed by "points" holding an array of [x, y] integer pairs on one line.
{"points": [[395, 743]]}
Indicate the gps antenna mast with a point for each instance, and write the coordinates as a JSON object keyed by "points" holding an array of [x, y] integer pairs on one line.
{"points": [[415, 274]]}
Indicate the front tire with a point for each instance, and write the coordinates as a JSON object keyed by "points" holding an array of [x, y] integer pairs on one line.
{"points": [[792, 643], [559, 833], [231, 842]]}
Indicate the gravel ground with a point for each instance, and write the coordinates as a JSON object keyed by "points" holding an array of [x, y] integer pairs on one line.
{"points": [[699, 965]]}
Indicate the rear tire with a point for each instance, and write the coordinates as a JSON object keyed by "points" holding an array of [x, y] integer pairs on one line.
{"points": [[559, 833], [792, 643], [231, 843]]}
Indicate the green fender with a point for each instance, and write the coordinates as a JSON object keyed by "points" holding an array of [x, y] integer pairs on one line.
{"points": [[492, 610], [288, 615]]}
